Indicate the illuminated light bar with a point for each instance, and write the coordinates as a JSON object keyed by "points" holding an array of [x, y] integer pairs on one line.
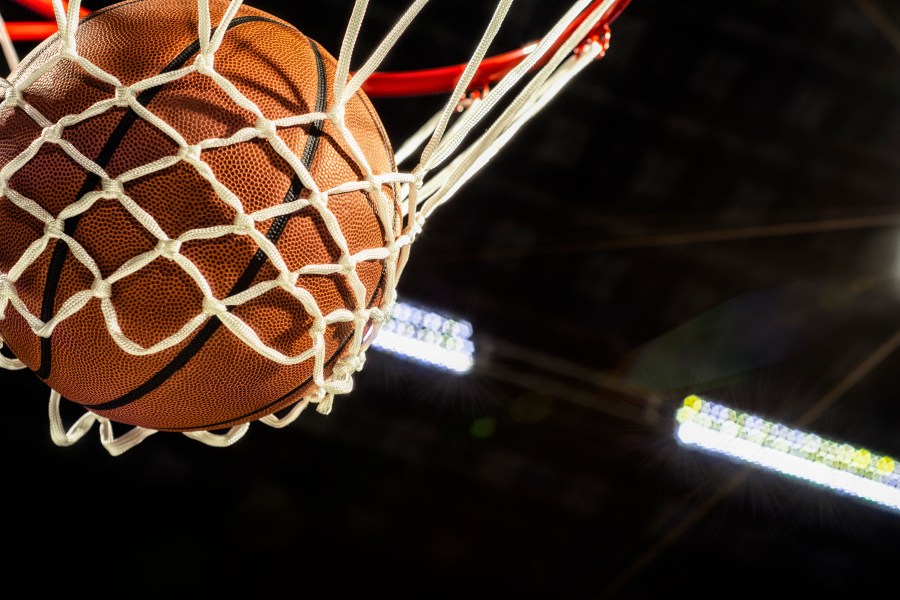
{"points": [[427, 337], [835, 465]]}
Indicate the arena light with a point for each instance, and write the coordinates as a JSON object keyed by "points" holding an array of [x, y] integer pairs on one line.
{"points": [[837, 466], [425, 336]]}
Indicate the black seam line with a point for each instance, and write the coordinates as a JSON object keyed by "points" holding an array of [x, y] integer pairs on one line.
{"points": [[251, 270], [320, 106], [61, 249]]}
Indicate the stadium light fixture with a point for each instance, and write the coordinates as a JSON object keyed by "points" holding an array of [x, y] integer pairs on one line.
{"points": [[427, 337], [745, 438]]}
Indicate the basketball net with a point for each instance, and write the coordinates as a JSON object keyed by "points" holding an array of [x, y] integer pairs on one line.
{"points": [[433, 165]]}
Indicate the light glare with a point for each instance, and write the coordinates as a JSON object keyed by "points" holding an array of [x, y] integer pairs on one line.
{"points": [[427, 337], [840, 467]]}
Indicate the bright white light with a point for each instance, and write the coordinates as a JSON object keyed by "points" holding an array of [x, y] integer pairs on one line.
{"points": [[834, 465], [423, 351], [428, 337]]}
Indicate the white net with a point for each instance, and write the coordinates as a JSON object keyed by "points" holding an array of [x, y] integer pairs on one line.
{"points": [[433, 165]]}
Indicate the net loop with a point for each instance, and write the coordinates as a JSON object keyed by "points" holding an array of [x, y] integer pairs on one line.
{"points": [[220, 440], [10, 364]]}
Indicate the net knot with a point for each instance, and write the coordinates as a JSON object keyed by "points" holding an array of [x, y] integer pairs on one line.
{"points": [[350, 365], [54, 228], [415, 228], [265, 128], [318, 327], [168, 248], [347, 264], [190, 154], [52, 133], [69, 52], [112, 188], [124, 96], [337, 113], [288, 279], [12, 96], [7, 290], [204, 64], [101, 289], [214, 308], [317, 198], [323, 401], [243, 224]]}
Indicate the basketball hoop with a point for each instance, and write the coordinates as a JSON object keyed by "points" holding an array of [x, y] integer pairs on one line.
{"points": [[489, 98]]}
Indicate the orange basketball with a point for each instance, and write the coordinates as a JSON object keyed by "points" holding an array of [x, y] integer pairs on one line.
{"points": [[211, 379]]}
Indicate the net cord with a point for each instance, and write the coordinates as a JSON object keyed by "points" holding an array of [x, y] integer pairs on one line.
{"points": [[444, 165], [538, 92], [9, 50]]}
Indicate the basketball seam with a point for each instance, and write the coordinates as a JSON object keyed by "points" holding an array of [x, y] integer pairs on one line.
{"points": [[263, 410], [197, 343], [195, 346], [61, 249]]}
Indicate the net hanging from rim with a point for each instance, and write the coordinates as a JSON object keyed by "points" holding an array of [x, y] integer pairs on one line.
{"points": [[489, 100]]}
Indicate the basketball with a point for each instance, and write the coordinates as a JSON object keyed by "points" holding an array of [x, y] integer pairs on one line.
{"points": [[166, 180]]}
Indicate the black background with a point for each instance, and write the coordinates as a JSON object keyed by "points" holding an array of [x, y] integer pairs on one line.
{"points": [[711, 208]]}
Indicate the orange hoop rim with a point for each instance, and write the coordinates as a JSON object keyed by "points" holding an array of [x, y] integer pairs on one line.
{"points": [[384, 83]]}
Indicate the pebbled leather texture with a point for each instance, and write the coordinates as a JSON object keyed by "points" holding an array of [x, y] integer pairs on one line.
{"points": [[223, 382]]}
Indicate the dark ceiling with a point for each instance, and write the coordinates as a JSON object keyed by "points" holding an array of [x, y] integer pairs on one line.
{"points": [[710, 209]]}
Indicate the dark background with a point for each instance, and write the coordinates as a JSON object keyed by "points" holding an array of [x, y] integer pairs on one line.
{"points": [[712, 208]]}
